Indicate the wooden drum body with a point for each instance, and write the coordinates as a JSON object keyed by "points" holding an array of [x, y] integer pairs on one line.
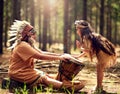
{"points": [[69, 69]]}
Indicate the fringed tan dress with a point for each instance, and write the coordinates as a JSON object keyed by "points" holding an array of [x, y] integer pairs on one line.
{"points": [[102, 48]]}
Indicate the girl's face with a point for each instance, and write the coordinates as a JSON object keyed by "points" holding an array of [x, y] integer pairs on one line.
{"points": [[78, 31]]}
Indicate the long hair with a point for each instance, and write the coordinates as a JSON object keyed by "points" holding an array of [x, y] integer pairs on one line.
{"points": [[101, 43], [98, 41]]}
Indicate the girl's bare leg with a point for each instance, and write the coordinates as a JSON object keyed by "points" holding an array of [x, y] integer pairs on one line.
{"points": [[100, 75]]}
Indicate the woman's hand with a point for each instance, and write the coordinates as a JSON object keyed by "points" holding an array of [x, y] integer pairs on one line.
{"points": [[65, 57]]}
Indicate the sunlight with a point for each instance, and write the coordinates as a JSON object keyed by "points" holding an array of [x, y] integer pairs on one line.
{"points": [[52, 2]]}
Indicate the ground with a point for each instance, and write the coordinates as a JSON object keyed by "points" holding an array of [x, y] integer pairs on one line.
{"points": [[111, 82]]}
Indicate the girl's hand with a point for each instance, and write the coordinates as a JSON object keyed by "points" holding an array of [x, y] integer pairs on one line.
{"points": [[78, 44]]}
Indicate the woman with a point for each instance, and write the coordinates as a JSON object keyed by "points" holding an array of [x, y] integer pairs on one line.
{"points": [[95, 44], [24, 52]]}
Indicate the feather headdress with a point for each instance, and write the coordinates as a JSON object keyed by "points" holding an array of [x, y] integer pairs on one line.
{"points": [[17, 31]]}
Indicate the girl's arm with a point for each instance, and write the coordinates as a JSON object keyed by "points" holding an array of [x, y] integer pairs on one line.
{"points": [[80, 55]]}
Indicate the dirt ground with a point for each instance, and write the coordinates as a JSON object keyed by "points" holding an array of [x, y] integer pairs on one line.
{"points": [[111, 82]]}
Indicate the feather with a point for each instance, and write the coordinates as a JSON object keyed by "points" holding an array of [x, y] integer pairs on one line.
{"points": [[12, 39], [10, 47], [13, 29], [101, 43], [14, 26], [13, 34]]}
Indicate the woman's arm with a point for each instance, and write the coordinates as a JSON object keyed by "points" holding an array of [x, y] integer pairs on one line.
{"points": [[47, 53], [42, 56]]}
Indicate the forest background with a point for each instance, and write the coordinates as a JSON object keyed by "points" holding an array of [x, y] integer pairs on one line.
{"points": [[54, 22]]}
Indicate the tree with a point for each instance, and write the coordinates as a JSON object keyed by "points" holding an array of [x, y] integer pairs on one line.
{"points": [[39, 23], [27, 3], [45, 24], [16, 9], [49, 25], [109, 20], [65, 39], [102, 17], [1, 25], [116, 7], [32, 12], [6, 21], [56, 23], [75, 18], [97, 18], [84, 9], [115, 25]]}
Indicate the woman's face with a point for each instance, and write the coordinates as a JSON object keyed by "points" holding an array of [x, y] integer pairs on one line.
{"points": [[32, 34], [31, 37]]}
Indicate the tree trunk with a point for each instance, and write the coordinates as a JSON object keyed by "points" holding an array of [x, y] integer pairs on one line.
{"points": [[65, 39], [102, 17], [49, 25], [32, 12], [115, 35], [16, 9], [84, 9], [1, 25], [56, 20], [115, 25], [26, 9], [90, 14], [75, 18], [96, 20], [109, 22], [6, 21], [45, 24], [39, 23]]}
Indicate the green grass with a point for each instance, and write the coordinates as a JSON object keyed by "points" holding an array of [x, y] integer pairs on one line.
{"points": [[47, 90]]}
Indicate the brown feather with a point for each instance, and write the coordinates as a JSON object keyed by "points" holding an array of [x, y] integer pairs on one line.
{"points": [[101, 43]]}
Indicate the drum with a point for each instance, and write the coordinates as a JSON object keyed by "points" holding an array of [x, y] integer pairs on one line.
{"points": [[69, 69]]}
